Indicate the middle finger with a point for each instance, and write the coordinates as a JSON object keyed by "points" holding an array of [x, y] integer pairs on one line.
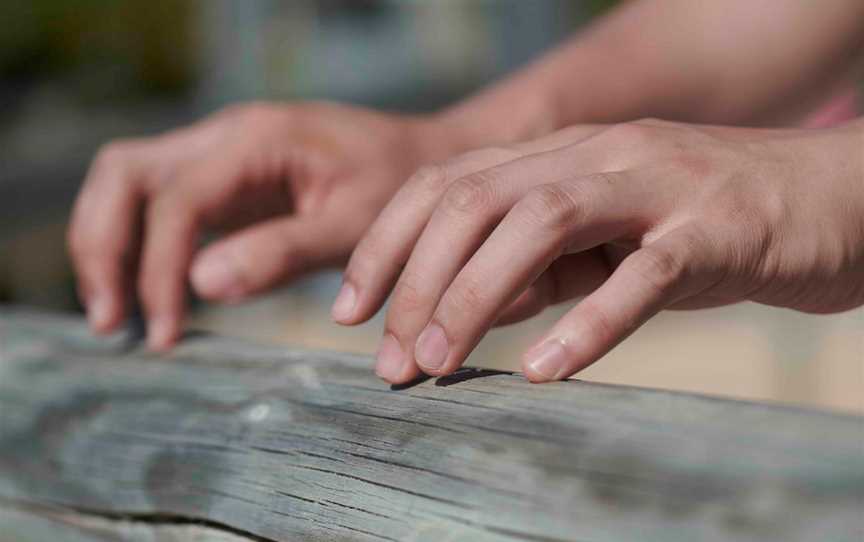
{"points": [[468, 212]]}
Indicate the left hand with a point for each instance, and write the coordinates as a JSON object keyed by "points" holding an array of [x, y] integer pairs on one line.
{"points": [[638, 217], [288, 188]]}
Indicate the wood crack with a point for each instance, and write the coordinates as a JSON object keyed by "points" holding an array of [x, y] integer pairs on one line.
{"points": [[150, 519], [388, 486], [123, 439]]}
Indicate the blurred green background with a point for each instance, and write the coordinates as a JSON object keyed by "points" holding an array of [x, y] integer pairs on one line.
{"points": [[75, 74]]}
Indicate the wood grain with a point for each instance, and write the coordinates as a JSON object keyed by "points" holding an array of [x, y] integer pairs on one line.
{"points": [[282, 444], [33, 523]]}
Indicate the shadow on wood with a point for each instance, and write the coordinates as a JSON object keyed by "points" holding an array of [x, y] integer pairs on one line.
{"points": [[251, 442]]}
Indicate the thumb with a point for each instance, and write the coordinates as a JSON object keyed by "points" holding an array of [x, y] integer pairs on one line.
{"points": [[266, 255]]}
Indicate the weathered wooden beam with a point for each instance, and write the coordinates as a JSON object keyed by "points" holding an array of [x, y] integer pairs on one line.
{"points": [[31, 523], [260, 442]]}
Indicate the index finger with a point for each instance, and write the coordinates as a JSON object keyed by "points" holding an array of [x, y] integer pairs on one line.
{"points": [[102, 232], [569, 216], [385, 248]]}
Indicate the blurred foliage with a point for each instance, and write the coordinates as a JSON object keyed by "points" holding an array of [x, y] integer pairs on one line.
{"points": [[596, 7], [110, 50], [98, 47]]}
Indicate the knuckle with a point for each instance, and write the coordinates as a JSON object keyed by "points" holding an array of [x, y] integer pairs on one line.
{"points": [[653, 122], [409, 297], [552, 207], [466, 297], [480, 159], [597, 322], [233, 112], [695, 165], [115, 153], [470, 194], [367, 256], [431, 178], [251, 109], [631, 133], [659, 267], [254, 114], [774, 209], [493, 155], [603, 177]]}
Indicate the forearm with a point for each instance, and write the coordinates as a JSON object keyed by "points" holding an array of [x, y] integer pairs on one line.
{"points": [[733, 61]]}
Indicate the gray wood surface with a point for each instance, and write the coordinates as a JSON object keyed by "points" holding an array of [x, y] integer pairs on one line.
{"points": [[28, 523], [273, 444]]}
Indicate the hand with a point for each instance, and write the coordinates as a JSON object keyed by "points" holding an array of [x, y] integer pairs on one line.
{"points": [[638, 217], [292, 187]]}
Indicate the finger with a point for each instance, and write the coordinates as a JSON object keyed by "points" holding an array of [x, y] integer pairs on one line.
{"points": [[569, 277], [103, 230], [381, 254], [573, 215], [530, 303], [675, 266], [269, 254], [467, 213], [173, 221], [469, 210]]}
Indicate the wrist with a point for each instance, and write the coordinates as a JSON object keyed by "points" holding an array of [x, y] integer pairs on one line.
{"points": [[539, 99]]}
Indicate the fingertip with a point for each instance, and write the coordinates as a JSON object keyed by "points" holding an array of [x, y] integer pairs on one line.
{"points": [[432, 350], [162, 334], [546, 362], [214, 276], [392, 364], [356, 302], [102, 314], [409, 373], [345, 305], [390, 359]]}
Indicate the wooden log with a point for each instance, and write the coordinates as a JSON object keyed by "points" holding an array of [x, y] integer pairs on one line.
{"points": [[31, 523], [262, 443]]}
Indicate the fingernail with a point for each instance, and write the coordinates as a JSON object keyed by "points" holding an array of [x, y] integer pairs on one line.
{"points": [[160, 334], [99, 313], [547, 360], [343, 307], [432, 348], [390, 358], [216, 276]]}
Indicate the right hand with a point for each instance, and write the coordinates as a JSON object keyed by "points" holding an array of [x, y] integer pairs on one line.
{"points": [[636, 217], [292, 187]]}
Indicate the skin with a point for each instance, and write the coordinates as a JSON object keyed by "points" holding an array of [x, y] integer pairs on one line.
{"points": [[636, 217], [284, 189], [289, 189]]}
